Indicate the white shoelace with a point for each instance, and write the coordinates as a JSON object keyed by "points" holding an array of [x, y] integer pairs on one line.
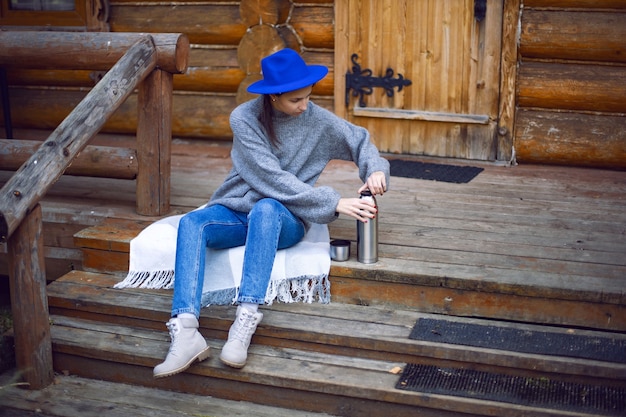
{"points": [[172, 327], [245, 327]]}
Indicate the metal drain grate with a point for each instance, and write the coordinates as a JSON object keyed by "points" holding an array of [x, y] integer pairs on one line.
{"points": [[537, 392]]}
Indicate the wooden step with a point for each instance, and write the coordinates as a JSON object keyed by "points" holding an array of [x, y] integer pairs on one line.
{"points": [[324, 356], [399, 280], [97, 398], [279, 377]]}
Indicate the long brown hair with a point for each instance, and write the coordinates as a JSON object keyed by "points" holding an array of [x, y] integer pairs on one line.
{"points": [[266, 119]]}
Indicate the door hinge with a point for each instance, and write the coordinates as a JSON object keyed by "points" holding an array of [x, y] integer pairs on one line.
{"points": [[361, 82]]}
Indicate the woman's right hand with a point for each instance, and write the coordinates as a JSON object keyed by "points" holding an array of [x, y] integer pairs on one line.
{"points": [[360, 209]]}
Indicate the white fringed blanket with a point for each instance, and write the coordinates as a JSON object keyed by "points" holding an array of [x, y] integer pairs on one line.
{"points": [[300, 273]]}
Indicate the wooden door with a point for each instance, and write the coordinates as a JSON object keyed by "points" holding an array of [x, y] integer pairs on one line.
{"points": [[451, 54]]}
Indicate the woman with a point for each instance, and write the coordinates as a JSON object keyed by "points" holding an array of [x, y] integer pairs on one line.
{"points": [[281, 144]]}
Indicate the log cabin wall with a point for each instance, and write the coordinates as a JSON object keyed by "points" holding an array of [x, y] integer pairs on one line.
{"points": [[571, 83], [228, 39]]}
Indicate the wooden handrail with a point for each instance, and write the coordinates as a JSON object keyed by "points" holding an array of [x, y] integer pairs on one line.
{"points": [[142, 65], [87, 50], [31, 182]]}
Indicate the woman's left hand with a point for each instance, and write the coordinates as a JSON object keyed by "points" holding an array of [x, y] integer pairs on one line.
{"points": [[376, 183]]}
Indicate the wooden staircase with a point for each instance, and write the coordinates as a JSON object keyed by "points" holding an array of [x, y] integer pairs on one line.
{"points": [[342, 359]]}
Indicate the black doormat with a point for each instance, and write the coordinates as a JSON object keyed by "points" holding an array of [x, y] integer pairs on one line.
{"points": [[520, 340], [434, 172], [534, 392]]}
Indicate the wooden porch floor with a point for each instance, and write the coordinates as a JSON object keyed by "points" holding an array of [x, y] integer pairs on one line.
{"points": [[531, 244], [537, 232]]}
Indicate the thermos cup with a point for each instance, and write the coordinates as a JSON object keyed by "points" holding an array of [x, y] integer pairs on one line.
{"points": [[367, 236]]}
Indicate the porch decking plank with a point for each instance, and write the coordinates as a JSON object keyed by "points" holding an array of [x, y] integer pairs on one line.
{"points": [[95, 398], [234, 390], [477, 303]]}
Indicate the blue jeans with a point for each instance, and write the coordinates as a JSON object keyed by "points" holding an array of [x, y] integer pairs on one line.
{"points": [[267, 228]]}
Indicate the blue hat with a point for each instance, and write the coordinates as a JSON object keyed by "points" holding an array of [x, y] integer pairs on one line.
{"points": [[286, 71]]}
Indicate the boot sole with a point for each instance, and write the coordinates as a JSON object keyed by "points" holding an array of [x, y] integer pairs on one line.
{"points": [[233, 364], [202, 355]]}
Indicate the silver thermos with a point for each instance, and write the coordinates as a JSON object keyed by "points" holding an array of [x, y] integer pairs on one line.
{"points": [[367, 235]]}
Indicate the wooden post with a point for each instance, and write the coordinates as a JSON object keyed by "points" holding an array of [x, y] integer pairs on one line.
{"points": [[31, 325], [154, 141], [506, 107]]}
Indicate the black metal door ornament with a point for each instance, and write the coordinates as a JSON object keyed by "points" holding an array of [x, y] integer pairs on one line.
{"points": [[361, 82]]}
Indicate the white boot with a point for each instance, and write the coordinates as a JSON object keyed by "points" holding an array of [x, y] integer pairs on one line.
{"points": [[235, 351], [187, 345]]}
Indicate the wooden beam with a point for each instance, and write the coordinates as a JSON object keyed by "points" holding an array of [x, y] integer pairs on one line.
{"points": [[595, 88], [93, 161], [430, 116], [576, 35], [583, 4], [508, 71], [29, 303], [341, 56], [574, 139], [87, 50]]}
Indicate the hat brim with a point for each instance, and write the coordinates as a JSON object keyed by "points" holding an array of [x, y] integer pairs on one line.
{"points": [[316, 73]]}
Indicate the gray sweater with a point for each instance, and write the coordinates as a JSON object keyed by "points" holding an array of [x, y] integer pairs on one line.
{"points": [[288, 173]]}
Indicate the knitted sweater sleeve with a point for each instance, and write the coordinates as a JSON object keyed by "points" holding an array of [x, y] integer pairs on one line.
{"points": [[353, 143]]}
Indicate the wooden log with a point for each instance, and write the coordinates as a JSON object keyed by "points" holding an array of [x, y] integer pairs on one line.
{"points": [[258, 42], [213, 56], [29, 303], [314, 25], [194, 115], [209, 23], [585, 4], [219, 23], [571, 139], [269, 12], [216, 80], [154, 143], [230, 1], [93, 161], [57, 78], [35, 177], [575, 35], [572, 87], [291, 39], [42, 109], [506, 107], [87, 50]]}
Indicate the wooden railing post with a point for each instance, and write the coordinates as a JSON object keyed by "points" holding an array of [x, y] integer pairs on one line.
{"points": [[29, 303], [154, 141]]}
